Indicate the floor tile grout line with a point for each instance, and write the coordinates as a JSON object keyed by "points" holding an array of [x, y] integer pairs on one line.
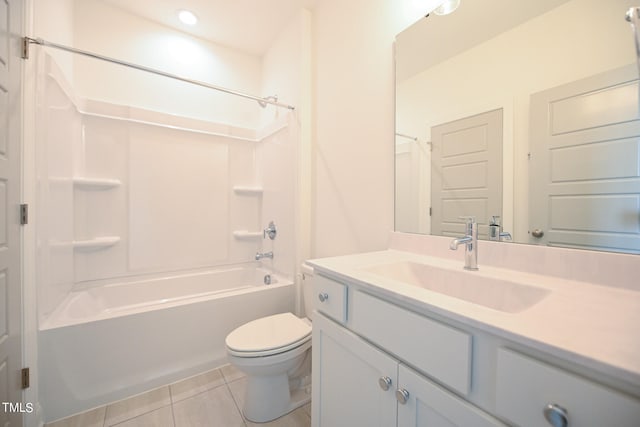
{"points": [[137, 416], [197, 394], [173, 416], [244, 421]]}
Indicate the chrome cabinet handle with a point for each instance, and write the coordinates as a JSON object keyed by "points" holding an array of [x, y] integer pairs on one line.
{"points": [[402, 396], [322, 296], [384, 383], [556, 415]]}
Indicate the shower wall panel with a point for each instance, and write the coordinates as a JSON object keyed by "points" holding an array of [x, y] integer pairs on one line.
{"points": [[178, 199]]}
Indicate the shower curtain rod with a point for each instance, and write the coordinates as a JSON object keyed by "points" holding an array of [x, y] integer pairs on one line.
{"points": [[272, 100], [402, 135]]}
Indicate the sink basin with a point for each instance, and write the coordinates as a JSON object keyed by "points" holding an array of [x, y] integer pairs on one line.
{"points": [[498, 294]]}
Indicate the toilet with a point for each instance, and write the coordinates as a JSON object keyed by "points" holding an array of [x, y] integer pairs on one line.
{"points": [[275, 354]]}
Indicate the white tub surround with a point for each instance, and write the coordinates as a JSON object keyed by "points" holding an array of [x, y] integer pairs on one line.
{"points": [[107, 171], [572, 331]]}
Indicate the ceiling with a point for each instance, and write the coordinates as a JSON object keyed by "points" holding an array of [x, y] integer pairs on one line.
{"points": [[247, 25]]}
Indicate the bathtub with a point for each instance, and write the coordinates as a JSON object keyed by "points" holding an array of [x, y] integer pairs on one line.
{"points": [[109, 342]]}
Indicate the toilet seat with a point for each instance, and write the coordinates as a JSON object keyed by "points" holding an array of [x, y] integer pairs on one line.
{"points": [[268, 336]]}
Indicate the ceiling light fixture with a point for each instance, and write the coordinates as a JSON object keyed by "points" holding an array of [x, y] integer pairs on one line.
{"points": [[187, 17], [447, 7]]}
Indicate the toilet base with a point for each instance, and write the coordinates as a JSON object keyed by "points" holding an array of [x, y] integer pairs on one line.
{"points": [[281, 399]]}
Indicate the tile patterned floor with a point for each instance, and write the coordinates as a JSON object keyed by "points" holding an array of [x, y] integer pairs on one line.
{"points": [[211, 399]]}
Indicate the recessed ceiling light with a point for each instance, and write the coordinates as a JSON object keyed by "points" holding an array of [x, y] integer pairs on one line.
{"points": [[187, 17], [447, 7]]}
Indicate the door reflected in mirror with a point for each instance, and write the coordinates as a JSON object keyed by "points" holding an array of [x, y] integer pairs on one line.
{"points": [[524, 115]]}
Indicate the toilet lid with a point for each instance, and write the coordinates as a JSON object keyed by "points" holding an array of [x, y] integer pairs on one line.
{"points": [[268, 333]]}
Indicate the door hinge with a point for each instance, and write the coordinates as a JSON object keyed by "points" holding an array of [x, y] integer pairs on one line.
{"points": [[25, 378], [25, 48], [24, 214], [528, 156], [430, 211]]}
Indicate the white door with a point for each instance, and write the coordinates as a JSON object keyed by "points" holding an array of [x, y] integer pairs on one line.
{"points": [[466, 174], [585, 163], [346, 375], [10, 286], [429, 405]]}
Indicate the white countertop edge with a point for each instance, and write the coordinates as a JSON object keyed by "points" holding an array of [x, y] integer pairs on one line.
{"points": [[617, 366]]}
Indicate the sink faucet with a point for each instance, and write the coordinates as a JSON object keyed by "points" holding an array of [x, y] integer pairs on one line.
{"points": [[470, 240], [495, 230], [259, 255]]}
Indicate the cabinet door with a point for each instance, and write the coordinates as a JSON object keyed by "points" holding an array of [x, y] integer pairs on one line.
{"points": [[429, 405], [346, 373]]}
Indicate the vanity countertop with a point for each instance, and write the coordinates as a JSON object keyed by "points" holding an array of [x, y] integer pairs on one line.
{"points": [[595, 326]]}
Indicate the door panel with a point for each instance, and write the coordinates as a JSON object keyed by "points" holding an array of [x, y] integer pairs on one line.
{"points": [[467, 173], [429, 405], [585, 163], [346, 371]]}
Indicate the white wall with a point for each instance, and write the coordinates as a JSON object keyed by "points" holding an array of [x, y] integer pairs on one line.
{"points": [[53, 21], [353, 159], [353, 192], [109, 31], [284, 66]]}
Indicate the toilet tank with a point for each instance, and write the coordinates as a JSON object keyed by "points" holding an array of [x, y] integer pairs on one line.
{"points": [[307, 290]]}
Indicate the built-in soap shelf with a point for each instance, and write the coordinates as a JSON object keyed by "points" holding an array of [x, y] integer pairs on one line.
{"points": [[84, 183], [247, 235], [243, 190], [88, 244]]}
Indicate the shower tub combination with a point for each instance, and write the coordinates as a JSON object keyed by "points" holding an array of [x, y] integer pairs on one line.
{"points": [[107, 343]]}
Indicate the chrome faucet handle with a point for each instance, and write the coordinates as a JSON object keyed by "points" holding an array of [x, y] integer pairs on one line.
{"points": [[270, 231]]}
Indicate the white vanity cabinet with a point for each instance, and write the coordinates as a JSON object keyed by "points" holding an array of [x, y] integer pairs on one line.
{"points": [[379, 363], [355, 384]]}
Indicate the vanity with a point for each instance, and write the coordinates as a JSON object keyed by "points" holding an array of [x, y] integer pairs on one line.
{"points": [[407, 337]]}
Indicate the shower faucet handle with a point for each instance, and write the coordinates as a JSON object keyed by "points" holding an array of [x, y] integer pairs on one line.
{"points": [[270, 231]]}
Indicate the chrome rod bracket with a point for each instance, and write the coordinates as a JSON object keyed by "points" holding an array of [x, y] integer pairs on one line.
{"points": [[26, 41]]}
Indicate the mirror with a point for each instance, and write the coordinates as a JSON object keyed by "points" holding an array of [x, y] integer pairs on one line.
{"points": [[524, 115]]}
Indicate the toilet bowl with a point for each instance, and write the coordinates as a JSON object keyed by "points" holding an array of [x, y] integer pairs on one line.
{"points": [[275, 354], [270, 350]]}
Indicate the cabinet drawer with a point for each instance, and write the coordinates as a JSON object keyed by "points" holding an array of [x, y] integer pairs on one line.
{"points": [[330, 298], [526, 386], [440, 351]]}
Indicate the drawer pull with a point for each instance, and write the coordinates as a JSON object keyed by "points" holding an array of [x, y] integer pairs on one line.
{"points": [[384, 383], [323, 296], [402, 396], [556, 415]]}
